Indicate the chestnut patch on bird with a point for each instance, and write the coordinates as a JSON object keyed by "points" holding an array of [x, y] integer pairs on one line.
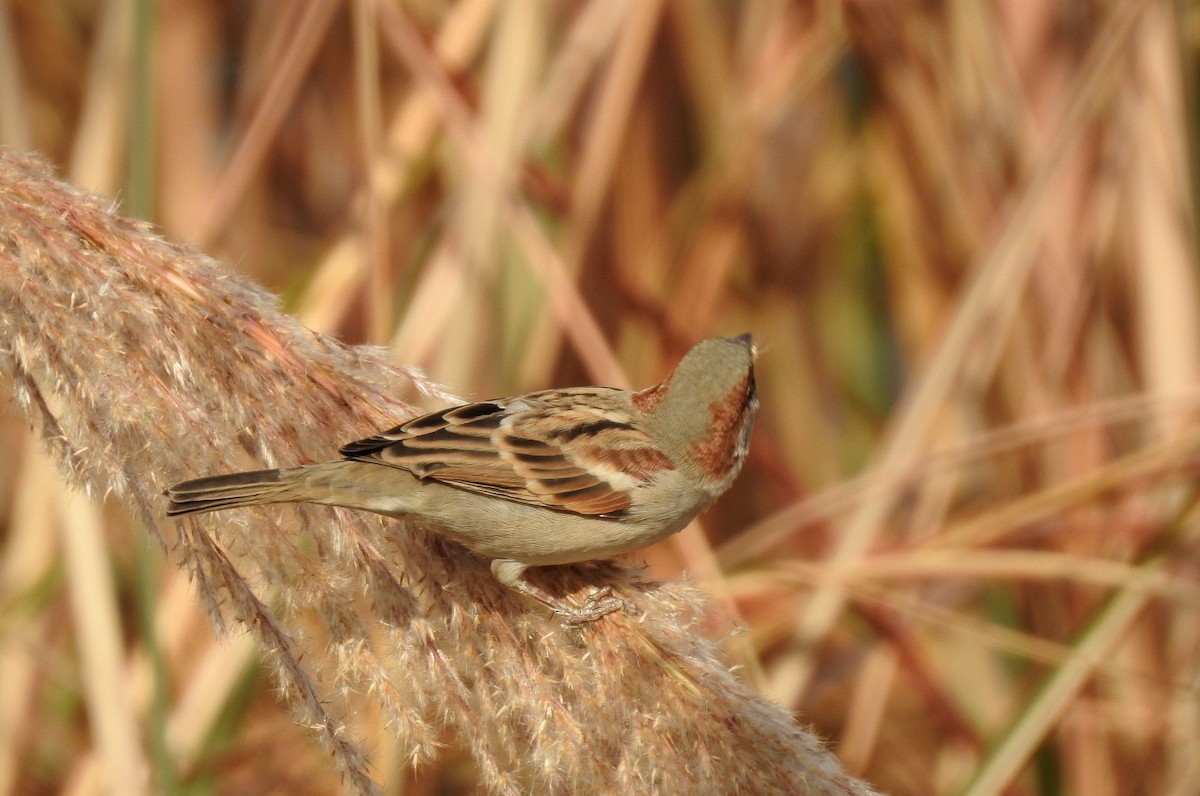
{"points": [[718, 451], [647, 400]]}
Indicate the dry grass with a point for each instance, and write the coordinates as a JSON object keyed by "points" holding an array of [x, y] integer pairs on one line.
{"points": [[963, 550]]}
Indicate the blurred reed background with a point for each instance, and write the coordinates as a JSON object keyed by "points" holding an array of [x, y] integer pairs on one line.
{"points": [[964, 548]]}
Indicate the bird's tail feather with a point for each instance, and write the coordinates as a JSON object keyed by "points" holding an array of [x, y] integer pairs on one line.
{"points": [[236, 489]]}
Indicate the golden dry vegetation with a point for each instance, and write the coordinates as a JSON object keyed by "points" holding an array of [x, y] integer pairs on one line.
{"points": [[963, 550]]}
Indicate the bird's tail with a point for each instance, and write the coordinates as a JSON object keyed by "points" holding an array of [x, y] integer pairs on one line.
{"points": [[237, 489]]}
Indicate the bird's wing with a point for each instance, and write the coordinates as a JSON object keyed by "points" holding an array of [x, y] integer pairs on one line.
{"points": [[579, 450]]}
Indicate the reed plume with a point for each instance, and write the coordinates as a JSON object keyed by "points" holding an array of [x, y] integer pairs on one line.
{"points": [[145, 363]]}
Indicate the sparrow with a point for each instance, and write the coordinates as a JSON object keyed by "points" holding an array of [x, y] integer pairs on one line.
{"points": [[552, 477]]}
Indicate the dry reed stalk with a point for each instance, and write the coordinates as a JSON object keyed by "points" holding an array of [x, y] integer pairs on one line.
{"points": [[145, 363]]}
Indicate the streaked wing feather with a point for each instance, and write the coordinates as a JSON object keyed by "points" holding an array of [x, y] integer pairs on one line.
{"points": [[555, 449]]}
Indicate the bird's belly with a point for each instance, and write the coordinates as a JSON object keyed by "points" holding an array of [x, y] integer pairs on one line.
{"points": [[535, 535]]}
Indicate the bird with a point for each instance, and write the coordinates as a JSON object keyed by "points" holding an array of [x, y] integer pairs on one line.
{"points": [[547, 478]]}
